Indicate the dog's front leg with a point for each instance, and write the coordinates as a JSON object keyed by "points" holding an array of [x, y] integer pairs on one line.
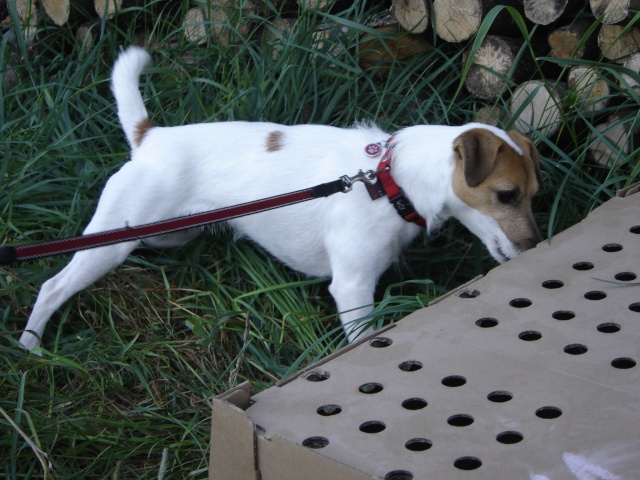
{"points": [[353, 294]]}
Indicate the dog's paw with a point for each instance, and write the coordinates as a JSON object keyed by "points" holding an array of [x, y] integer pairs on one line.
{"points": [[360, 331], [30, 342]]}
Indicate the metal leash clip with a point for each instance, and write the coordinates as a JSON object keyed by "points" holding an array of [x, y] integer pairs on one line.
{"points": [[368, 177]]}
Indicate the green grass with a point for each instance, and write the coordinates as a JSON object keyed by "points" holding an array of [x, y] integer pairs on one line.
{"points": [[123, 387]]}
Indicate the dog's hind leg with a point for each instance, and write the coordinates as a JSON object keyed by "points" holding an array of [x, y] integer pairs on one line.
{"points": [[85, 268]]}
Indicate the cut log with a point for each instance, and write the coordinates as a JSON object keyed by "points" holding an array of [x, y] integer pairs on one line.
{"points": [[627, 82], [57, 10], [590, 88], [194, 26], [10, 73], [457, 20], [492, 64], [278, 30], [543, 12], [107, 8], [614, 11], [570, 42], [331, 40], [611, 141], [536, 106], [492, 115], [230, 19], [617, 42], [63, 11], [84, 37], [412, 15], [380, 54], [321, 5], [28, 13]]}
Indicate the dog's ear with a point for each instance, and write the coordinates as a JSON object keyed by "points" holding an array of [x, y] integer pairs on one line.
{"points": [[477, 149], [527, 146]]}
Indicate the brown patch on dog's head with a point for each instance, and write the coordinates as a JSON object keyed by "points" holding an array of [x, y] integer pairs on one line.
{"points": [[142, 128], [274, 141], [493, 178]]}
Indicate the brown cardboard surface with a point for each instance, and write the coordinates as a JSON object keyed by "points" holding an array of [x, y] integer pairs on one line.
{"points": [[535, 375], [239, 451], [233, 452]]}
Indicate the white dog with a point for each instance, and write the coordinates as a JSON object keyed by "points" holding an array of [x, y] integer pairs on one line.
{"points": [[483, 176]]}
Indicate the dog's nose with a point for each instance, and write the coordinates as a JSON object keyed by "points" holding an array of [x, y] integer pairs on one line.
{"points": [[532, 241]]}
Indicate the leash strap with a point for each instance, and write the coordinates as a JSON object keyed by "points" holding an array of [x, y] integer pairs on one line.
{"points": [[10, 254]]}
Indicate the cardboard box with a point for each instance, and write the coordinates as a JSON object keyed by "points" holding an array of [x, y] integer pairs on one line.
{"points": [[530, 372]]}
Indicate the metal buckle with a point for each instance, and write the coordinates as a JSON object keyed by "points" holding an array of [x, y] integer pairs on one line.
{"points": [[368, 177]]}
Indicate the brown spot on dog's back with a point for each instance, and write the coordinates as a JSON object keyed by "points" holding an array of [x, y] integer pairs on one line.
{"points": [[142, 128], [274, 141]]}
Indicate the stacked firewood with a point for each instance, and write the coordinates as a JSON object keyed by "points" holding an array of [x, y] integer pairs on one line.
{"points": [[578, 37]]}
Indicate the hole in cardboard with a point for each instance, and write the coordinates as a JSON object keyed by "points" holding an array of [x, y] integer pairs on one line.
{"points": [[552, 284], [608, 327], [635, 307], [414, 403], [583, 266], [410, 366], [626, 276], [612, 247], [500, 396], [454, 381], [595, 295], [373, 426], [467, 463], [317, 376], [635, 229], [329, 410], [399, 475], [520, 302], [548, 413], [380, 342], [370, 388], [468, 293], [563, 315], [487, 322], [460, 420], [315, 442], [509, 438], [418, 444], [575, 349], [623, 363], [530, 336]]}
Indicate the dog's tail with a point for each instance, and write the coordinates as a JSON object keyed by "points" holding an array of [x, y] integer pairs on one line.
{"points": [[124, 84]]}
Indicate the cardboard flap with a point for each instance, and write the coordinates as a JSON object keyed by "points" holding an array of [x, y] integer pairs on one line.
{"points": [[233, 447], [239, 396]]}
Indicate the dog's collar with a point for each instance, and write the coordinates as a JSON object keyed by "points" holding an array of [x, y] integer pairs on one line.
{"points": [[386, 185]]}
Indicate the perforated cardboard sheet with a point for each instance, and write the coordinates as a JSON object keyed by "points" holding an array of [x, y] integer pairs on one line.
{"points": [[530, 372]]}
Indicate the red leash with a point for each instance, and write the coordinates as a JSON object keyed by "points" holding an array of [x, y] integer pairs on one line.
{"points": [[67, 245], [385, 186]]}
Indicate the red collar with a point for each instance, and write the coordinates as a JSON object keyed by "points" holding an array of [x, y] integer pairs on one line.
{"points": [[386, 185]]}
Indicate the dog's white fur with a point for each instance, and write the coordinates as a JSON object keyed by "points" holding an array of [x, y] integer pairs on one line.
{"points": [[193, 168]]}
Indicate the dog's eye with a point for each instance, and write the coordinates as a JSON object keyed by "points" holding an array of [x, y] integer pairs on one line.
{"points": [[508, 197]]}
